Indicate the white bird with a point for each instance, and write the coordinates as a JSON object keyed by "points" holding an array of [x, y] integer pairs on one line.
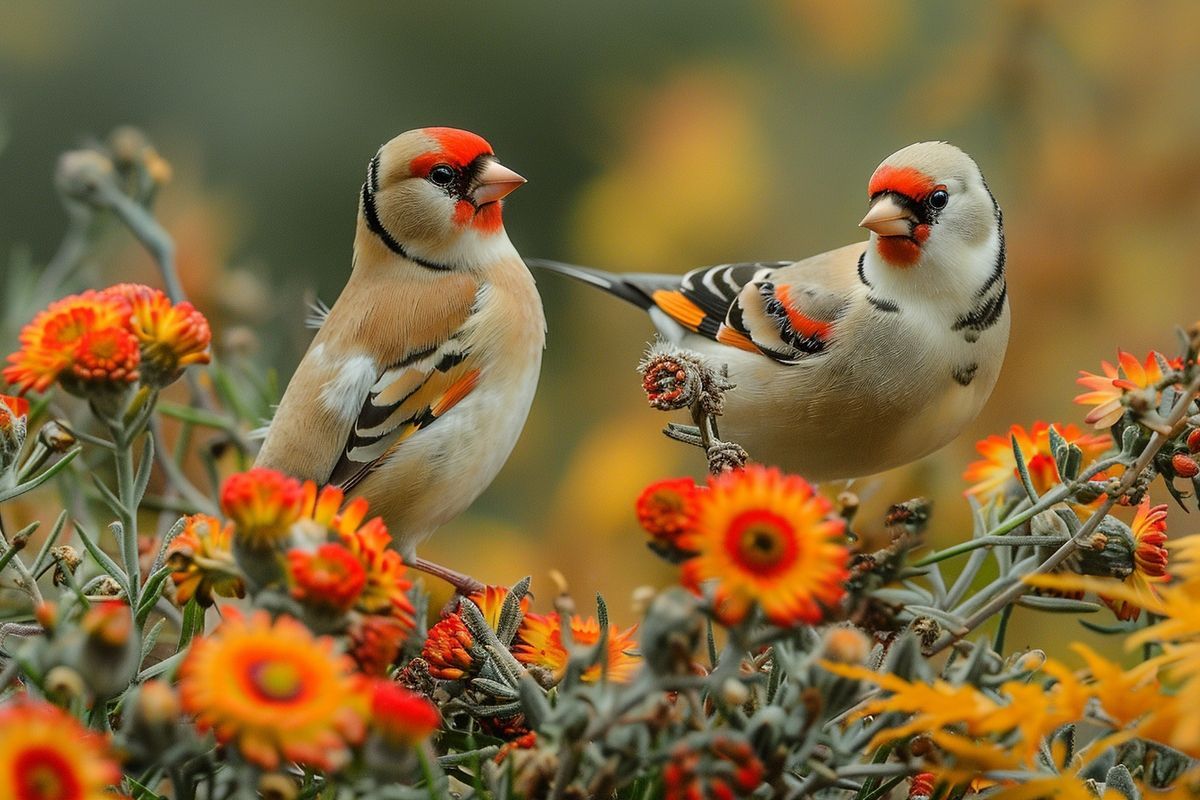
{"points": [[863, 358], [419, 380]]}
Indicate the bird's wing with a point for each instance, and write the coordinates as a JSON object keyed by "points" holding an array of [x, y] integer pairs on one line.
{"points": [[383, 366], [407, 397]]}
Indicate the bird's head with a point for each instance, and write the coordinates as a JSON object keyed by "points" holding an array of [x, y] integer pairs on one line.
{"points": [[434, 194], [930, 206]]}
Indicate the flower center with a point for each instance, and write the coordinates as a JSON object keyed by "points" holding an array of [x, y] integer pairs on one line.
{"points": [[276, 681], [762, 542], [43, 773]]}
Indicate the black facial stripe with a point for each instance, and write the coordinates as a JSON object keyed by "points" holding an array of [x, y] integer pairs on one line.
{"points": [[371, 215], [862, 274], [373, 173]]}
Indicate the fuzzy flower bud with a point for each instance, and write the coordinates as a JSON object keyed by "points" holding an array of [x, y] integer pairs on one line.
{"points": [[846, 645], [14, 413], [672, 378], [1184, 465], [1193, 441], [56, 436]]}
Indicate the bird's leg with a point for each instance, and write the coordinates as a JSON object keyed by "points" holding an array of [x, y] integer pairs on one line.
{"points": [[463, 584]]}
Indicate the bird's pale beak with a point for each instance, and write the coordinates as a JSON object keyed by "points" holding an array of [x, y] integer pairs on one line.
{"points": [[889, 218], [495, 182]]}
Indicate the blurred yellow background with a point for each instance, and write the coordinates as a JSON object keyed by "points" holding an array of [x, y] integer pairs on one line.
{"points": [[655, 136]]}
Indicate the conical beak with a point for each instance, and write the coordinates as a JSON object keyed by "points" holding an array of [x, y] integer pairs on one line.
{"points": [[889, 218], [496, 181]]}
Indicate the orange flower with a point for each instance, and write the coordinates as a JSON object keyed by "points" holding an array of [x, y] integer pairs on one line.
{"points": [[1107, 391], [665, 509], [401, 716], [491, 601], [202, 561], [263, 504], [45, 754], [1149, 558], [375, 642], [171, 336], [83, 339], [996, 472], [386, 589], [725, 768], [330, 577], [767, 538], [274, 692], [448, 649], [539, 643]]}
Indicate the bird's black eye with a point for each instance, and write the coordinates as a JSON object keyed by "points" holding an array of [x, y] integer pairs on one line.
{"points": [[441, 175], [938, 199]]}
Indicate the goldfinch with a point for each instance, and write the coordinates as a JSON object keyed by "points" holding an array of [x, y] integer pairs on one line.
{"points": [[418, 382], [863, 358]]}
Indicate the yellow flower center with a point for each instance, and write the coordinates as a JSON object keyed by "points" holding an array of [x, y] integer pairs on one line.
{"points": [[277, 681]]}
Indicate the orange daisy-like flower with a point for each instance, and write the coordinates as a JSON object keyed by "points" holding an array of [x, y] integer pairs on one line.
{"points": [[1107, 391], [994, 474], [83, 339], [447, 648], [171, 336], [45, 754], [666, 509], [330, 577], [767, 538], [201, 558], [274, 692], [401, 716], [539, 643], [263, 503], [386, 589], [1149, 558]]}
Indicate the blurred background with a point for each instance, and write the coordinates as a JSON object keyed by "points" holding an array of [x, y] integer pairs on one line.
{"points": [[655, 136]]}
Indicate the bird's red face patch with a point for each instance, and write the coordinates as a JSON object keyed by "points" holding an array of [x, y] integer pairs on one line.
{"points": [[456, 148], [908, 181]]}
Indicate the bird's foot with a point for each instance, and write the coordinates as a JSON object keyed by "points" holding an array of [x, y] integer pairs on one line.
{"points": [[463, 584]]}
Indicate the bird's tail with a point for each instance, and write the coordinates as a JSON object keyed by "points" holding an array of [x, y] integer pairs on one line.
{"points": [[622, 286]]}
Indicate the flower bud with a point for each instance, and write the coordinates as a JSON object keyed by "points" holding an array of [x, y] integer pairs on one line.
{"points": [[56, 436], [846, 645], [1184, 465], [81, 172], [671, 377], [1193, 441], [734, 692], [63, 684], [14, 414]]}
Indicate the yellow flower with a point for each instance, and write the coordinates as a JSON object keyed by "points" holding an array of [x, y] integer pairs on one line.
{"points": [[996, 473], [1107, 391], [47, 755], [172, 336], [201, 558], [766, 538], [491, 601], [539, 643], [274, 692]]}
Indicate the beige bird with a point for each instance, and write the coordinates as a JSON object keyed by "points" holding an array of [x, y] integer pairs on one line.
{"points": [[863, 358], [419, 379]]}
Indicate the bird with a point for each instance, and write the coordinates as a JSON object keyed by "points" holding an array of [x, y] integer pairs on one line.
{"points": [[418, 382], [862, 358]]}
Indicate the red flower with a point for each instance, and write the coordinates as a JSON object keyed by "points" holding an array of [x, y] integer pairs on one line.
{"points": [[402, 716], [331, 576], [448, 649], [263, 504], [666, 509]]}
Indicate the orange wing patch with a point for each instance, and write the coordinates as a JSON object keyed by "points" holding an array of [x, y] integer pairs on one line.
{"points": [[679, 308], [801, 323], [460, 389], [734, 338]]}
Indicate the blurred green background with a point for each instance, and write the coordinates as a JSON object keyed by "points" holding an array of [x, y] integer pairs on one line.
{"points": [[655, 136]]}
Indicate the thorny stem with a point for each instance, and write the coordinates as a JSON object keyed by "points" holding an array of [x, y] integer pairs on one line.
{"points": [[1018, 587], [1050, 498]]}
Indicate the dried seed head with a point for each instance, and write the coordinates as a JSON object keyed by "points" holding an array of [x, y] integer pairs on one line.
{"points": [[66, 561], [672, 378], [56, 436], [106, 586], [726, 457], [846, 645]]}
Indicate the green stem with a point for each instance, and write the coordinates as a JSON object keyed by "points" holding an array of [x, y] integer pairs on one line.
{"points": [[1002, 629], [126, 491]]}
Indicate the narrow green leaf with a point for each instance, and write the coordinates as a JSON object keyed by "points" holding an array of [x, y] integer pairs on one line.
{"points": [[193, 623], [1058, 605], [145, 467], [151, 639], [103, 559], [43, 555], [108, 496], [1023, 470], [35, 482], [150, 594]]}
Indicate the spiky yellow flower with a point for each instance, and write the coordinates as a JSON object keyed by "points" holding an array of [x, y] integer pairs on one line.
{"points": [[274, 691], [1149, 558], [172, 336], [82, 339], [263, 503], [201, 558], [766, 538], [996, 473], [47, 755], [539, 643], [1107, 391]]}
